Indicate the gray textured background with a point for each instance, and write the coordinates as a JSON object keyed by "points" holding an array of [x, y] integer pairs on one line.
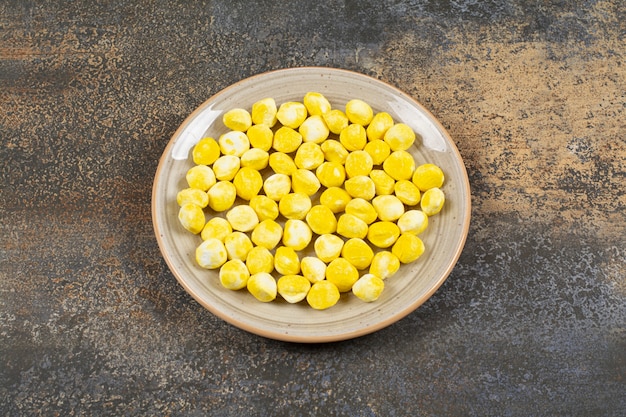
{"points": [[532, 321]]}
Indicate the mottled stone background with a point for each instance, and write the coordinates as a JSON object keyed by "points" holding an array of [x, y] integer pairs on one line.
{"points": [[532, 321]]}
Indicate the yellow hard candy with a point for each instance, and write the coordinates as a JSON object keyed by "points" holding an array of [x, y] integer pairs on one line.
{"points": [[234, 143], [331, 174], [383, 234], [234, 274], [358, 163], [286, 140], [294, 206], [313, 269], [259, 260], [353, 137], [314, 130], [267, 234], [328, 247], [323, 295], [336, 120], [296, 234], [238, 245], [388, 207], [237, 119], [427, 176], [222, 196], [248, 182], [358, 253], [349, 226], [399, 137], [362, 209], [433, 201], [321, 220], [316, 103], [368, 288], [381, 122], [305, 182], [359, 112], [191, 217], [360, 186], [226, 167], [384, 264], [264, 207], [286, 261], [342, 273], [408, 248], [201, 177], [378, 150], [334, 151], [277, 186], [293, 288], [309, 156], [407, 192], [264, 112], [291, 114], [255, 158], [383, 183], [260, 137], [192, 195], [281, 163], [262, 286], [399, 165], [413, 221], [216, 228], [211, 254], [242, 218], [206, 151], [335, 199]]}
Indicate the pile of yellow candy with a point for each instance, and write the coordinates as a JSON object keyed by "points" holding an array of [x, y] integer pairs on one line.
{"points": [[305, 175]]}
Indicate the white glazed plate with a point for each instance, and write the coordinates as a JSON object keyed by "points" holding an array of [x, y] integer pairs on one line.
{"points": [[405, 291]]}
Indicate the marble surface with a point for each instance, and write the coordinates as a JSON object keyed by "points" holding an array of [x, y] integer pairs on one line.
{"points": [[532, 321]]}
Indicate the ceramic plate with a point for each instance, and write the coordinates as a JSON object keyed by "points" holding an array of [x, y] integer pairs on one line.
{"points": [[410, 287]]}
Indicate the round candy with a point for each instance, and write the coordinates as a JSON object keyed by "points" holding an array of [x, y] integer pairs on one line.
{"points": [[359, 112], [262, 286], [211, 254], [314, 130], [323, 295], [264, 112], [408, 248], [381, 122], [432, 201], [234, 274], [342, 273], [260, 259], [358, 253], [294, 206], [368, 288], [216, 228], [321, 220], [399, 137], [222, 196], [428, 176], [384, 264], [237, 119], [286, 261], [399, 165], [293, 288], [316, 103], [191, 217], [267, 234], [242, 218], [206, 151]]}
